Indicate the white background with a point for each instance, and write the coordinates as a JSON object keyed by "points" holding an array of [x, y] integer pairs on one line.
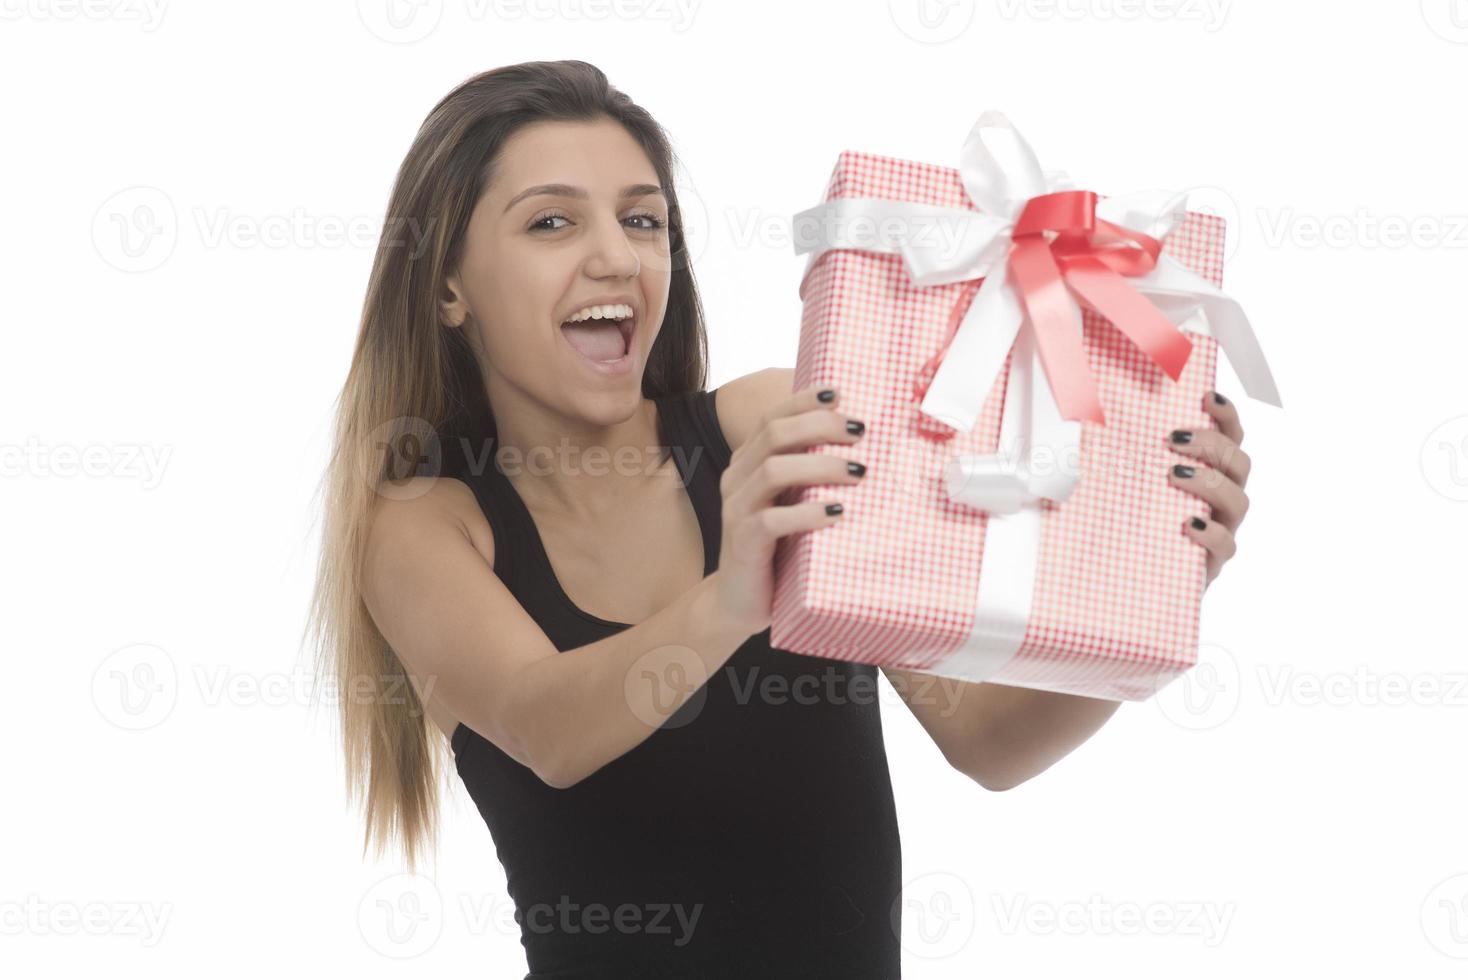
{"points": [[1295, 803]]}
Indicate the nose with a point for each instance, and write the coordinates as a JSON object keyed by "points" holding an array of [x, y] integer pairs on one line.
{"points": [[611, 254]]}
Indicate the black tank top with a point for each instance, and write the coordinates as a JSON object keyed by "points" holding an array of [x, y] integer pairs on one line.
{"points": [[753, 835]]}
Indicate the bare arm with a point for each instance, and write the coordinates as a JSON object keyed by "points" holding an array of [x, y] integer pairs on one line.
{"points": [[996, 735], [465, 639], [1001, 736], [468, 642]]}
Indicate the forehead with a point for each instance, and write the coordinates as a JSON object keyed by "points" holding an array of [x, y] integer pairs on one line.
{"points": [[599, 155]]}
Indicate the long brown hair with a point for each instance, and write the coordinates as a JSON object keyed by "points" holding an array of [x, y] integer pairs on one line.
{"points": [[411, 376]]}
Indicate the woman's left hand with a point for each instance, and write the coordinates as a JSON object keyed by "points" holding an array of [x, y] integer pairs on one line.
{"points": [[1217, 474]]}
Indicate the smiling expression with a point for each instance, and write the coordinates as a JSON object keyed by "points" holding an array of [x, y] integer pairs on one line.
{"points": [[573, 217]]}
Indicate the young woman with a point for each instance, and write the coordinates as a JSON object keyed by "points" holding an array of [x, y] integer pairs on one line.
{"points": [[541, 520]]}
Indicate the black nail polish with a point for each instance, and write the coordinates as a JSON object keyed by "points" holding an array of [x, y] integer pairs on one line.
{"points": [[1199, 524], [1181, 435], [826, 394], [1220, 399], [856, 428], [856, 469], [833, 509], [1182, 471]]}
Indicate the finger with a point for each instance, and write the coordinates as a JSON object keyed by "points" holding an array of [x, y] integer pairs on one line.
{"points": [[1214, 448], [804, 400], [772, 523], [1226, 414], [785, 433], [793, 433], [1227, 498], [1215, 537], [1217, 540], [776, 474]]}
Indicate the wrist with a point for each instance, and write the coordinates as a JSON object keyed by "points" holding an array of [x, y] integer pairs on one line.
{"points": [[714, 607]]}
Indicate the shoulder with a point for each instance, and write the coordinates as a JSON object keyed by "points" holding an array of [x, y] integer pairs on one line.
{"points": [[421, 509], [740, 404]]}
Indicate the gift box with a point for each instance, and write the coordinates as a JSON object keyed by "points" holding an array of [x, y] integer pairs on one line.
{"points": [[1016, 523]]}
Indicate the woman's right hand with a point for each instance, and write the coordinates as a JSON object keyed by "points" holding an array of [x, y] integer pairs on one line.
{"points": [[772, 460]]}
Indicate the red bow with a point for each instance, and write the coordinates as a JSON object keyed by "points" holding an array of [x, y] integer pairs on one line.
{"points": [[1093, 257]]}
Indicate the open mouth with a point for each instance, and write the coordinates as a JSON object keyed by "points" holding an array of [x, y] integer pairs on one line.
{"points": [[601, 340]]}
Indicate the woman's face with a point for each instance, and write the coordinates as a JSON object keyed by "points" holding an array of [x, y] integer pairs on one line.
{"points": [[573, 219]]}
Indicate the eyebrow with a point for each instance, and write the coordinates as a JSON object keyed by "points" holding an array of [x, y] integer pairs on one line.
{"points": [[570, 190]]}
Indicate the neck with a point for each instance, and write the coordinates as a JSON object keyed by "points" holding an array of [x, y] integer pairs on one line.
{"points": [[571, 464]]}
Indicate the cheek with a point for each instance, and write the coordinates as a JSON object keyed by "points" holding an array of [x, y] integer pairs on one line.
{"points": [[656, 273], [514, 336], [656, 292], [513, 296], [657, 261]]}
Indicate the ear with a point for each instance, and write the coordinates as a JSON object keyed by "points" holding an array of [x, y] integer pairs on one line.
{"points": [[453, 308]]}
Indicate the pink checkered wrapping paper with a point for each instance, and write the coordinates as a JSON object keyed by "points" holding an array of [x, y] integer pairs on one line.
{"points": [[894, 581]]}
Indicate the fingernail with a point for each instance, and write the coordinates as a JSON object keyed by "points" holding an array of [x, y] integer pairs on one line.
{"points": [[856, 469], [1182, 471], [1198, 524], [856, 428], [833, 509], [1220, 399], [826, 394], [1181, 435]]}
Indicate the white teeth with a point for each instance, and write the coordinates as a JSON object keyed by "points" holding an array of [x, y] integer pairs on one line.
{"points": [[615, 311]]}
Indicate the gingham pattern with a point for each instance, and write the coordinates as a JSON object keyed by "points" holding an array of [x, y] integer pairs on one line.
{"points": [[894, 581]]}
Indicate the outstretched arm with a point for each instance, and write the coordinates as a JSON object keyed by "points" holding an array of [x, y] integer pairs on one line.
{"points": [[1002, 736], [996, 735]]}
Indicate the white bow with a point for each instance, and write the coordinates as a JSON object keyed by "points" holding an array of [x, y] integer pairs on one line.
{"points": [[946, 245]]}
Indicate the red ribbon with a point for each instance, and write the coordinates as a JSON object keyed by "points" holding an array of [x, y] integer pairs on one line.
{"points": [[1093, 257]]}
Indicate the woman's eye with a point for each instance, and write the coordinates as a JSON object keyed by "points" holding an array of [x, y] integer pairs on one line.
{"points": [[539, 224], [653, 221]]}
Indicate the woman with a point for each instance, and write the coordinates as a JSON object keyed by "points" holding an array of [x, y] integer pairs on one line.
{"points": [[542, 521]]}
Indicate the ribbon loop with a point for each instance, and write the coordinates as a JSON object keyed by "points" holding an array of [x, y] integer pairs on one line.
{"points": [[1070, 213], [1032, 252]]}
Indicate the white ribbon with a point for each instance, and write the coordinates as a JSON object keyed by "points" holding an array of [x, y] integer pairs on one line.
{"points": [[946, 245]]}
